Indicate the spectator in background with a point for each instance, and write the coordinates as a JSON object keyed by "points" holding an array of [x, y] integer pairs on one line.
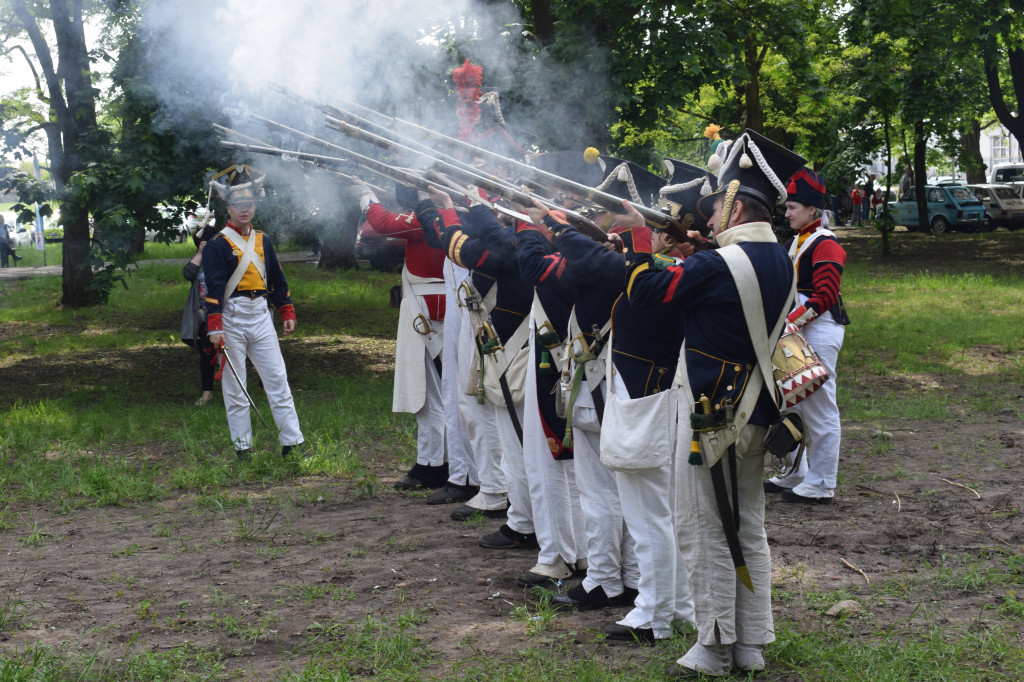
{"points": [[6, 245], [876, 203], [193, 317], [857, 200], [906, 182], [869, 192]]}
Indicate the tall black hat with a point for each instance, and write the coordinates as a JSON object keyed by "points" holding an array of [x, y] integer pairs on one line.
{"points": [[627, 180], [569, 165], [760, 166], [686, 185]]}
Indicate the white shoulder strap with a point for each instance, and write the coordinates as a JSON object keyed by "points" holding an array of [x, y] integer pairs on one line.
{"points": [[795, 255], [248, 249], [750, 297]]}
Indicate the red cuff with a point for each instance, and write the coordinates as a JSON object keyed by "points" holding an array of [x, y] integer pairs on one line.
{"points": [[214, 323], [524, 226], [449, 216], [641, 239], [287, 312]]}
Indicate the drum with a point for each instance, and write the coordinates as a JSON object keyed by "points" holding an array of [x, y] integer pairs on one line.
{"points": [[798, 370]]}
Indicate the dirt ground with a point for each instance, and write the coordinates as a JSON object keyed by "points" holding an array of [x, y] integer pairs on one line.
{"points": [[916, 506]]}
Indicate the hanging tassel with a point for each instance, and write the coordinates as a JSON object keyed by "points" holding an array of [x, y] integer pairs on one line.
{"points": [[745, 161], [695, 458], [545, 361], [706, 187]]}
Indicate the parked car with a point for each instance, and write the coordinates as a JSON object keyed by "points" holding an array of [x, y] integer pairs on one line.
{"points": [[949, 207], [19, 232], [1003, 205], [1005, 173], [383, 253]]}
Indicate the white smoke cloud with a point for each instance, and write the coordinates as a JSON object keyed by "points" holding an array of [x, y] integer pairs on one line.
{"points": [[395, 56]]}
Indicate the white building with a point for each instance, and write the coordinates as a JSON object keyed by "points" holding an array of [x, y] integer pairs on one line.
{"points": [[999, 146]]}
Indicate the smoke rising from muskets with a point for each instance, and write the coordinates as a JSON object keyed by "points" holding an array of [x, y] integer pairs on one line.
{"points": [[395, 56]]}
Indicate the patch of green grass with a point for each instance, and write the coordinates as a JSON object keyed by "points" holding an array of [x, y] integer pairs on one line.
{"points": [[840, 653]]}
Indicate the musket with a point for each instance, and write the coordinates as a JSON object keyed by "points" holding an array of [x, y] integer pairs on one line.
{"points": [[352, 179], [493, 185], [231, 366], [401, 175], [362, 129]]}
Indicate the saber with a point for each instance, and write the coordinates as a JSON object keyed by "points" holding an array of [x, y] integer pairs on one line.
{"points": [[231, 366]]}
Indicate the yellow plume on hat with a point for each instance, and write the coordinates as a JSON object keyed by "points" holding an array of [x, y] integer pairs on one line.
{"points": [[591, 155]]}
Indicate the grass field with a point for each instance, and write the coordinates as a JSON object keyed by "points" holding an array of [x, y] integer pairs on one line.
{"points": [[96, 414]]}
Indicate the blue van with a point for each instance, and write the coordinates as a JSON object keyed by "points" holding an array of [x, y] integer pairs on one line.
{"points": [[949, 207]]}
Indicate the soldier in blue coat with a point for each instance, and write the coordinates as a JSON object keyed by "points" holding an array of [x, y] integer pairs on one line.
{"points": [[721, 533]]}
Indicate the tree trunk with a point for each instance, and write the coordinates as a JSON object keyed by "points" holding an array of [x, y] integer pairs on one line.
{"points": [[543, 22], [338, 251], [971, 159], [752, 88], [921, 176], [1013, 123], [73, 105], [883, 223]]}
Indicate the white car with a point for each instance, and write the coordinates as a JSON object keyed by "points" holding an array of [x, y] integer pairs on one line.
{"points": [[19, 232]]}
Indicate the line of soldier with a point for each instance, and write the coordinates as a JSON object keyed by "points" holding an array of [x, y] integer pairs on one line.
{"points": [[544, 371]]}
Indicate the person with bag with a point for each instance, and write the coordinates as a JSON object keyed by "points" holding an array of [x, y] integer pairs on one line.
{"points": [[242, 272], [419, 386], [733, 302], [193, 317], [821, 317]]}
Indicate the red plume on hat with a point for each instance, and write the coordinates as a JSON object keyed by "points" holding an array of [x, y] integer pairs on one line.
{"points": [[468, 78]]}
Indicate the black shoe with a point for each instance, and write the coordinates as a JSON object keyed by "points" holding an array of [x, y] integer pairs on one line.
{"points": [[452, 493], [627, 598], [579, 599], [420, 477], [465, 513], [789, 496], [770, 487], [295, 449], [506, 538], [243, 455], [624, 633]]}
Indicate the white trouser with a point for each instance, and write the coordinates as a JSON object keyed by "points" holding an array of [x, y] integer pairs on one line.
{"points": [[486, 442], [461, 466], [249, 330], [722, 603], [647, 498], [816, 476], [611, 560], [430, 420], [520, 508], [557, 518]]}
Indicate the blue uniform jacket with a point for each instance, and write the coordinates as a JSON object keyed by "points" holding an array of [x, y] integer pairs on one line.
{"points": [[220, 261], [719, 355]]}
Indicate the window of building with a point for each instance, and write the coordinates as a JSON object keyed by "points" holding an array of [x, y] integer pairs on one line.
{"points": [[1000, 148]]}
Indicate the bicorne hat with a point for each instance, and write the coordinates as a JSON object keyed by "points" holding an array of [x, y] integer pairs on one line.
{"points": [[757, 165], [627, 180], [686, 185], [238, 183], [569, 165]]}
